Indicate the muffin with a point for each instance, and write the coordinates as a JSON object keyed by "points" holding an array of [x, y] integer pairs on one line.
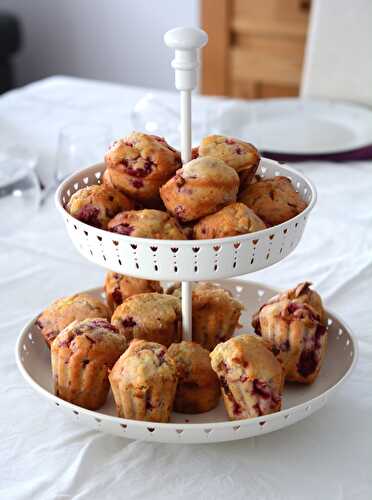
{"points": [[96, 205], [241, 156], [198, 389], [143, 382], [64, 311], [250, 375], [106, 179], [147, 224], [199, 188], [119, 287], [149, 316], [232, 220], [215, 313], [273, 200], [294, 323], [188, 231], [139, 164], [81, 355], [303, 294]]}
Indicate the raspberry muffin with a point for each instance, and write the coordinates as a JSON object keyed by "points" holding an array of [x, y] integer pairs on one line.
{"points": [[96, 205], [143, 382], [273, 200], [199, 188], [294, 323], [303, 294], [188, 231], [119, 287], [198, 389], [241, 156], [106, 179], [149, 316], [64, 311], [250, 375], [82, 354], [232, 220], [147, 224], [139, 164], [215, 313]]}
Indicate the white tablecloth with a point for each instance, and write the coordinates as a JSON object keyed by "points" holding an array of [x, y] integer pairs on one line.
{"points": [[45, 456]]}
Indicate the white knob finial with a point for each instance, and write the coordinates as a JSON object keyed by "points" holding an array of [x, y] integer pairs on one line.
{"points": [[185, 41]]}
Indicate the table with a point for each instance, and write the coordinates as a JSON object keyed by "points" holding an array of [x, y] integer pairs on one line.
{"points": [[44, 456]]}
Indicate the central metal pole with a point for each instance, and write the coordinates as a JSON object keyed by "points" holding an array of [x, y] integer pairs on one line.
{"points": [[185, 126], [186, 42]]}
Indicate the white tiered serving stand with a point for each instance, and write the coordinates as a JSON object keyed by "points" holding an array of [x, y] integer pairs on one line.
{"points": [[189, 261]]}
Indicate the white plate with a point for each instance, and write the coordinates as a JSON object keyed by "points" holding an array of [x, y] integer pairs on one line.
{"points": [[33, 360], [298, 126]]}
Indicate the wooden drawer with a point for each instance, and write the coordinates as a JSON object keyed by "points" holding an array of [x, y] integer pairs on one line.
{"points": [[286, 17], [273, 59], [255, 48], [259, 90]]}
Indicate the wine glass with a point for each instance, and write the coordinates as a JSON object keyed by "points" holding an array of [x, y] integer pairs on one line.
{"points": [[81, 145], [20, 189], [154, 116]]}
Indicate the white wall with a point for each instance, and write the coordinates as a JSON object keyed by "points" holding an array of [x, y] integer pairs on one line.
{"points": [[115, 40]]}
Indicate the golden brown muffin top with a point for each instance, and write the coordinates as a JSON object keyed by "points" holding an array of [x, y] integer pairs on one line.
{"points": [[140, 155], [287, 311], [148, 310], [144, 363], [207, 294], [210, 294], [63, 311], [232, 220], [147, 223], [93, 339], [211, 169], [274, 200], [249, 356], [236, 153], [193, 363], [96, 205], [199, 188], [119, 286], [301, 294], [106, 179], [299, 303]]}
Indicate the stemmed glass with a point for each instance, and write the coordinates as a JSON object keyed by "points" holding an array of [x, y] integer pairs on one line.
{"points": [[80, 145], [20, 189], [153, 115]]}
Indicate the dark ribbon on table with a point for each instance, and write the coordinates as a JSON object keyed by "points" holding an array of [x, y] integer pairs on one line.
{"points": [[359, 154]]}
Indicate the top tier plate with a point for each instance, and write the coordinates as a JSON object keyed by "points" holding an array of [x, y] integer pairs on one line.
{"points": [[190, 260]]}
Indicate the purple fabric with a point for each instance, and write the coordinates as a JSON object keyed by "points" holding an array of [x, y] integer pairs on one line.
{"points": [[360, 154]]}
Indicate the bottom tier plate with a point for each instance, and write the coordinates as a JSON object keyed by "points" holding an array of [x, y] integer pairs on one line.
{"points": [[33, 360]]}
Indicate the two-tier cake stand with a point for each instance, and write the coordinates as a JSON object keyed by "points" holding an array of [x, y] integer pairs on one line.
{"points": [[188, 261]]}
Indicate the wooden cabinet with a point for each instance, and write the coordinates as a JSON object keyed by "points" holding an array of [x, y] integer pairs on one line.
{"points": [[255, 47]]}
